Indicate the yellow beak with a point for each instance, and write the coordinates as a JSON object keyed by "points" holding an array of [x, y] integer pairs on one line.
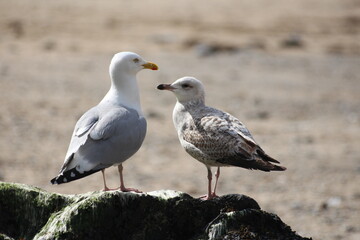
{"points": [[150, 65]]}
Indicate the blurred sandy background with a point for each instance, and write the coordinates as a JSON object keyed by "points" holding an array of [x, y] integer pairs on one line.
{"points": [[290, 70]]}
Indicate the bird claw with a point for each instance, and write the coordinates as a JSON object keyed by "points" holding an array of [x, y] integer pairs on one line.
{"points": [[124, 189], [208, 197], [106, 189]]}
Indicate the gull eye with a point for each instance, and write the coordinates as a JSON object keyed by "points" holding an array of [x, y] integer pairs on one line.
{"points": [[136, 60], [185, 85]]}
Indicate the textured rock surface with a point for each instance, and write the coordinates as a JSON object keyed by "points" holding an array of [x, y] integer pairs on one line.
{"points": [[31, 213]]}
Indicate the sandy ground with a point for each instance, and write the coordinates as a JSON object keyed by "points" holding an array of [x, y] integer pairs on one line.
{"points": [[288, 69]]}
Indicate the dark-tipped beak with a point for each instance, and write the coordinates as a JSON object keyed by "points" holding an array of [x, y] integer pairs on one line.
{"points": [[165, 87], [150, 65]]}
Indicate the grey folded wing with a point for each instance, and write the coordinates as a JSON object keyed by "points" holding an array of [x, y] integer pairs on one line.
{"points": [[80, 134], [104, 137]]}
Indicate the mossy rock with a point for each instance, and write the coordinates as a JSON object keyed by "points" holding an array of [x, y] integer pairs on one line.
{"points": [[24, 210], [4, 237], [249, 224], [31, 213]]}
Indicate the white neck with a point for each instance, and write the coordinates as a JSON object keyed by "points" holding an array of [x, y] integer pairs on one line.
{"points": [[124, 92]]}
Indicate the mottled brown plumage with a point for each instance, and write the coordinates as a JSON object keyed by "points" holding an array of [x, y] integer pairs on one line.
{"points": [[211, 136], [224, 140]]}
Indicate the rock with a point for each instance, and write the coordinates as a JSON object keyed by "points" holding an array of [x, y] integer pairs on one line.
{"points": [[49, 45], [292, 41], [334, 202], [261, 114], [205, 49], [31, 213], [24, 210], [256, 44], [17, 27], [4, 237], [249, 224], [164, 39], [154, 114]]}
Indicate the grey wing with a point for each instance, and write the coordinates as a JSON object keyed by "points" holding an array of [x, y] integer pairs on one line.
{"points": [[103, 136], [80, 134], [116, 136]]}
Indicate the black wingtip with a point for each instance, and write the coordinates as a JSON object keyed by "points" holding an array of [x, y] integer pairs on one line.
{"points": [[59, 180], [266, 157], [53, 181], [279, 168], [71, 175]]}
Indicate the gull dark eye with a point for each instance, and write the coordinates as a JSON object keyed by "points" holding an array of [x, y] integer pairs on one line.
{"points": [[185, 85], [135, 60]]}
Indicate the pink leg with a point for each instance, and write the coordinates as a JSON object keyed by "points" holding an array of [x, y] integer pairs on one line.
{"points": [[217, 175], [210, 195], [122, 186], [105, 187], [209, 176]]}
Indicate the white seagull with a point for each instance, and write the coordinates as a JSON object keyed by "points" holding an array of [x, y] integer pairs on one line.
{"points": [[213, 137], [111, 132]]}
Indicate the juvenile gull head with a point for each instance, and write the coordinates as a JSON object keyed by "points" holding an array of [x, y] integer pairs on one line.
{"points": [[186, 89], [211, 136]]}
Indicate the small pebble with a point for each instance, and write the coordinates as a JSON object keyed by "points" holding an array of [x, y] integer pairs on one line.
{"points": [[292, 41]]}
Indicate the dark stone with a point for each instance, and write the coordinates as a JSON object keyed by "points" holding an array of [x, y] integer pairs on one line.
{"points": [[293, 41], [30, 213], [4, 237], [17, 27], [250, 224]]}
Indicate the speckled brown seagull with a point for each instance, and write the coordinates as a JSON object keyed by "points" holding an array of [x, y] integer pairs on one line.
{"points": [[211, 136]]}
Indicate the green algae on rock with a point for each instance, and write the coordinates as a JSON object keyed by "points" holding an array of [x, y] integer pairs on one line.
{"points": [[24, 210], [31, 213], [249, 224]]}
